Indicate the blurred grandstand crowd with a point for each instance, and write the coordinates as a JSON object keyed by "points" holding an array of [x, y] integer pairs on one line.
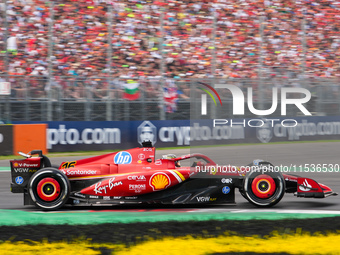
{"points": [[283, 38]]}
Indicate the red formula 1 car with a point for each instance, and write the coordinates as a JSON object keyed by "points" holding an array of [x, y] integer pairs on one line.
{"points": [[135, 176]]}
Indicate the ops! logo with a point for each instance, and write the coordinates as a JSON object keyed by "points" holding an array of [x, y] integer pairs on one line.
{"points": [[122, 158]]}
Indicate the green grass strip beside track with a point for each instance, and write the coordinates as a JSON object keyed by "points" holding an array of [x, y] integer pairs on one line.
{"points": [[19, 218]]}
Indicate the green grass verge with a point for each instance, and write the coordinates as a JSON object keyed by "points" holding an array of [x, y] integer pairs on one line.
{"points": [[16, 217]]}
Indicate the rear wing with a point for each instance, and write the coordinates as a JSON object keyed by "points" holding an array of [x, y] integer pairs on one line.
{"points": [[23, 169]]}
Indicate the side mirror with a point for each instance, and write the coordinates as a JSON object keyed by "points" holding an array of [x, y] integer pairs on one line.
{"points": [[39, 152]]}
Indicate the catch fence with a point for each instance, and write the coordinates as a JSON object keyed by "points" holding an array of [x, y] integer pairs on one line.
{"points": [[98, 99]]}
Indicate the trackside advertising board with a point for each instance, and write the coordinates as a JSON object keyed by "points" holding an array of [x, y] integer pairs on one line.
{"points": [[22, 137], [6, 139], [109, 135]]}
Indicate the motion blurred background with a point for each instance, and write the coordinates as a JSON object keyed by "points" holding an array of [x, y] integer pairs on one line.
{"points": [[100, 74], [136, 60]]}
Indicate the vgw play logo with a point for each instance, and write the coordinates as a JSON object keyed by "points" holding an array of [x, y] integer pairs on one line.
{"points": [[239, 103]]}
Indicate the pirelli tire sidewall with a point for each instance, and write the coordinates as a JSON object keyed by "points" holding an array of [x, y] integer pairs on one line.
{"points": [[64, 186], [264, 202]]}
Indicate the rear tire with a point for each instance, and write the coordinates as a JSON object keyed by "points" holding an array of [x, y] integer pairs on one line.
{"points": [[263, 187], [49, 188]]}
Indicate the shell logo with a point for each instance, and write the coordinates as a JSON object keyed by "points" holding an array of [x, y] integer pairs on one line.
{"points": [[159, 181], [15, 164]]}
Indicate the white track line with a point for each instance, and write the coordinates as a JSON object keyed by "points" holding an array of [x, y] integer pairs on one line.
{"points": [[298, 211]]}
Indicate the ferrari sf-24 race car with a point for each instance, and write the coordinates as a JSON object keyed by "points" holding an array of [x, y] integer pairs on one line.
{"points": [[136, 176]]}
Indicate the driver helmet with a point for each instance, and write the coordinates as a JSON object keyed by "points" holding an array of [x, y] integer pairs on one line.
{"points": [[171, 156]]}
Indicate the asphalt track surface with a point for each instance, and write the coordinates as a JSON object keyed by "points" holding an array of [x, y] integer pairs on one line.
{"points": [[286, 155]]}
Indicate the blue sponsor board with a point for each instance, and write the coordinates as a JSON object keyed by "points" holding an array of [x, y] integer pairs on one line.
{"points": [[231, 131], [120, 135], [114, 135]]}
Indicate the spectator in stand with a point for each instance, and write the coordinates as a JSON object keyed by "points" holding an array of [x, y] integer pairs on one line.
{"points": [[192, 47]]}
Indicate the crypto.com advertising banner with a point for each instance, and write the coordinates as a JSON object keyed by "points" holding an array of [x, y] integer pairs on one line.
{"points": [[113, 135], [215, 131]]}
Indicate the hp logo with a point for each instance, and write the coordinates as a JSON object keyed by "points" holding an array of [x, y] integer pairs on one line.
{"points": [[123, 157], [225, 190], [19, 180]]}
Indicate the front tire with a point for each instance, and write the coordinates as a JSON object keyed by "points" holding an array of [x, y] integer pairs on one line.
{"points": [[263, 187], [49, 188]]}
